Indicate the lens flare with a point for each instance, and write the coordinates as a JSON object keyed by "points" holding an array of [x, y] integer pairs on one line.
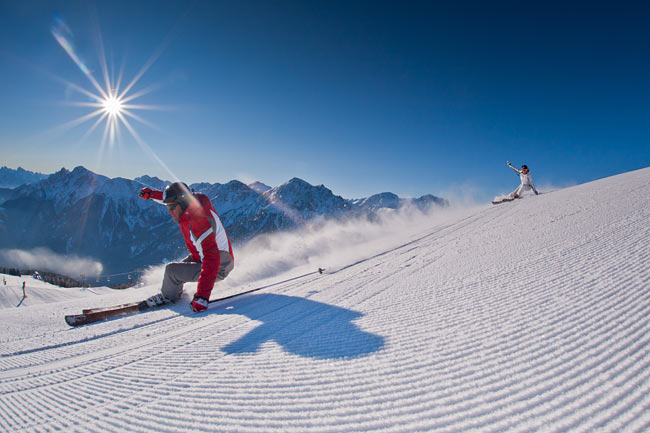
{"points": [[112, 105]]}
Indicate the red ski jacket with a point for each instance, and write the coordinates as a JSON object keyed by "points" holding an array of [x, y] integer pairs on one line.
{"points": [[204, 237]]}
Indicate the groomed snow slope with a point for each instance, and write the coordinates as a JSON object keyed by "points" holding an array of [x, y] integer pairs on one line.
{"points": [[40, 292], [522, 317]]}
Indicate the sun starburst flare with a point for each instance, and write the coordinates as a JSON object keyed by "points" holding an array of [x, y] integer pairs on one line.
{"points": [[110, 104]]}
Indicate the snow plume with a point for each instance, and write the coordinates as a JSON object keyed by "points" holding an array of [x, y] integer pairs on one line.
{"points": [[47, 260], [543, 188], [332, 244], [328, 244], [464, 195], [548, 186]]}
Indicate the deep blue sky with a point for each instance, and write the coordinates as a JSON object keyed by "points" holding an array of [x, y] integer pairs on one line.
{"points": [[364, 97]]}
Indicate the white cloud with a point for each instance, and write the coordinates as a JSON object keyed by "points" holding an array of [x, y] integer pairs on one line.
{"points": [[45, 259]]}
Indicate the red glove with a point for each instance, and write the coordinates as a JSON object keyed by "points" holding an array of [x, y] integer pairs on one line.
{"points": [[199, 304], [145, 193]]}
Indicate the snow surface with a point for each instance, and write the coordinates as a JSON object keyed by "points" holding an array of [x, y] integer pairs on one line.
{"points": [[40, 292], [522, 317]]}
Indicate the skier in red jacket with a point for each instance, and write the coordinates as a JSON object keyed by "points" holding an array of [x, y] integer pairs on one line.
{"points": [[211, 256]]}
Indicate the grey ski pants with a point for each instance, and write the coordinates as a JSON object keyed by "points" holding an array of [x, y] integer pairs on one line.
{"points": [[179, 273]]}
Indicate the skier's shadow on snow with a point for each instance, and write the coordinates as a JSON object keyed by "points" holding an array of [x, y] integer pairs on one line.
{"points": [[301, 326]]}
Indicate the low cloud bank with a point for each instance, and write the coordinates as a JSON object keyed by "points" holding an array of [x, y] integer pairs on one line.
{"points": [[47, 260]]}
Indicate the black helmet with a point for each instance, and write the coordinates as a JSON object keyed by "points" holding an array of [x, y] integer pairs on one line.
{"points": [[524, 167], [178, 193]]}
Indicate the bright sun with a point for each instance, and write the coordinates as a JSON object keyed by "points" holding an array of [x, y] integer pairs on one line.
{"points": [[112, 105]]}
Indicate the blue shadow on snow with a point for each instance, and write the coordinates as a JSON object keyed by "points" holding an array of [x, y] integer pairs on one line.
{"points": [[307, 328]]}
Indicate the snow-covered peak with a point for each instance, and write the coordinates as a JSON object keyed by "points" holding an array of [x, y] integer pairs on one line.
{"points": [[388, 200], [13, 178], [66, 187], [428, 200], [259, 187], [235, 195], [202, 187], [237, 185], [305, 198], [382, 200], [152, 182]]}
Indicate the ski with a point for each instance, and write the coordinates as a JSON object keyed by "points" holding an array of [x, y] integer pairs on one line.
{"points": [[505, 200], [92, 315], [114, 307], [96, 316]]}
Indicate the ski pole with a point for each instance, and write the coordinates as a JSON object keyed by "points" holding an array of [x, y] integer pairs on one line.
{"points": [[319, 271]]}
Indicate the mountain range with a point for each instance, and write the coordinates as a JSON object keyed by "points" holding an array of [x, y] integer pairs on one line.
{"points": [[85, 214], [10, 178]]}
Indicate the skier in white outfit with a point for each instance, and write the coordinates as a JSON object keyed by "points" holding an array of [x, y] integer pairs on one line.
{"points": [[526, 181]]}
